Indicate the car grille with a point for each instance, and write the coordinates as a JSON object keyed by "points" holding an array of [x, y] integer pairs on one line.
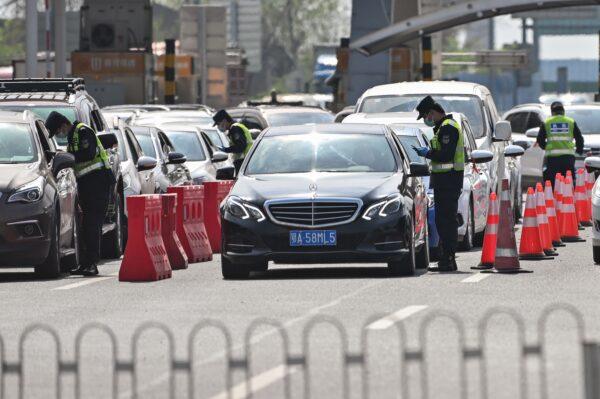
{"points": [[319, 212]]}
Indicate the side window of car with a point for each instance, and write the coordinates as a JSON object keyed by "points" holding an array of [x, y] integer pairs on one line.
{"points": [[252, 123], [97, 120], [467, 137], [518, 122], [47, 144], [136, 150], [534, 120], [165, 144], [403, 155]]}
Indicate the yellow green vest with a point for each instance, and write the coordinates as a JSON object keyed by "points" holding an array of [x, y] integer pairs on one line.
{"points": [[100, 161], [458, 162], [249, 141], [559, 136]]}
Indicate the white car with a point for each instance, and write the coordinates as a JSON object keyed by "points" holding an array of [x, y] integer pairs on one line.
{"points": [[471, 99], [593, 165], [525, 121]]}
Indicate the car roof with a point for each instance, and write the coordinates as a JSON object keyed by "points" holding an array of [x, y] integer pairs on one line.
{"points": [[347, 128], [267, 109], [394, 118], [173, 114], [434, 87]]}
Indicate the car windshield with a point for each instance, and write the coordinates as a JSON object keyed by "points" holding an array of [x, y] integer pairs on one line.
{"points": [[407, 143], [43, 111], [298, 118], [145, 141], [588, 120], [322, 153], [187, 143], [16, 143], [466, 104], [156, 120]]}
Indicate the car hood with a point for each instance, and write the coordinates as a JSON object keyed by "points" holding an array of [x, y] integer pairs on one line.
{"points": [[344, 185], [13, 176], [197, 167]]}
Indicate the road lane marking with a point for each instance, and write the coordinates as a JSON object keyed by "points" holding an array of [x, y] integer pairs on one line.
{"points": [[257, 383], [390, 320], [475, 278], [85, 282]]}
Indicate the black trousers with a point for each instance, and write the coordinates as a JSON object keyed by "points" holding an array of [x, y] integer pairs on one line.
{"points": [[446, 209], [94, 193], [560, 164]]}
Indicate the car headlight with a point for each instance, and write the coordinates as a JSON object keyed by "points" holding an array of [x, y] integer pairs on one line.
{"points": [[242, 210], [30, 192], [389, 206]]}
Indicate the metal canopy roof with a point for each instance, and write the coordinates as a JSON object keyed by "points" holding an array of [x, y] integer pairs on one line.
{"points": [[449, 17]]}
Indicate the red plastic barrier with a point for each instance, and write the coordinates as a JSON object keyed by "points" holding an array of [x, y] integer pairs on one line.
{"points": [[190, 222], [214, 194], [145, 256], [177, 257]]}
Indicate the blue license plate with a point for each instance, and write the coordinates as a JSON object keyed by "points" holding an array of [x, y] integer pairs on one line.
{"points": [[313, 238]]}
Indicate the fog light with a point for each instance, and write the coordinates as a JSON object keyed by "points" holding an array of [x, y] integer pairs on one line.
{"points": [[29, 230]]}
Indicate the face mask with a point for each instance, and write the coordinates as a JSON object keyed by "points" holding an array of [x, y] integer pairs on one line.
{"points": [[429, 122]]}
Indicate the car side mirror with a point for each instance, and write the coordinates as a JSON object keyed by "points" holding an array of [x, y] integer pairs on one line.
{"points": [[226, 173], [176, 158], [108, 140], [533, 132], [481, 156], [525, 145], [254, 133], [62, 160], [219, 156], [502, 131], [513, 151], [419, 169], [592, 164], [146, 163]]}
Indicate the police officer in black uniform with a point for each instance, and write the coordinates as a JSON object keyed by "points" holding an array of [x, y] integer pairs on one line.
{"points": [[239, 137], [447, 157], [95, 181]]}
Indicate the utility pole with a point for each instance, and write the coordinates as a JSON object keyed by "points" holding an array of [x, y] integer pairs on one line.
{"points": [[60, 38], [31, 39]]}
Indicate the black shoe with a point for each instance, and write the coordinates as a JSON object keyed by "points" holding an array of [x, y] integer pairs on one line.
{"points": [[78, 270], [91, 270]]}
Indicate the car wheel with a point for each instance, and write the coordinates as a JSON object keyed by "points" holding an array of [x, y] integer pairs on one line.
{"points": [[467, 242], [422, 261], [233, 271], [50, 268], [112, 243], [406, 266], [74, 260], [596, 255]]}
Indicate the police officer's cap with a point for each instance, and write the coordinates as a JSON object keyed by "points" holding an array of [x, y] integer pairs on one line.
{"points": [[220, 116], [557, 106], [54, 121], [427, 104]]}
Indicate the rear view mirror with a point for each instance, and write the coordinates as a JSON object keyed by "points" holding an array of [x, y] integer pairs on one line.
{"points": [[419, 169], [108, 140], [592, 164], [219, 156], [481, 156], [146, 163], [62, 160], [226, 173], [513, 151], [176, 158], [533, 132], [502, 131]]}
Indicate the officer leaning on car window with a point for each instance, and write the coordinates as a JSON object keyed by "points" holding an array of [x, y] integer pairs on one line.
{"points": [[556, 138], [447, 157], [238, 134], [95, 180]]}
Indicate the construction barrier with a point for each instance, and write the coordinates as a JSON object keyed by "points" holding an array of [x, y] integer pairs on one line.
{"points": [[177, 257], [582, 205], [488, 251], [190, 228], [145, 256], [214, 194]]}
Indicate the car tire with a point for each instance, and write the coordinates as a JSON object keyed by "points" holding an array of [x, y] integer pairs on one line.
{"points": [[73, 261], [113, 242], [233, 271], [423, 257], [467, 242], [50, 268], [596, 254], [406, 266]]}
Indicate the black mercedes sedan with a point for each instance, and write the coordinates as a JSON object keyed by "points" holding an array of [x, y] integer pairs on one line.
{"points": [[330, 193]]}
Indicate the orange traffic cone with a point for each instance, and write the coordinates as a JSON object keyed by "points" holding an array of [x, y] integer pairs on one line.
{"points": [[582, 208], [569, 231], [569, 174], [488, 252], [551, 213], [542, 218], [558, 182], [531, 245]]}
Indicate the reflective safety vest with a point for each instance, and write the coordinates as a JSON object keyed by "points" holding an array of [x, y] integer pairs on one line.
{"points": [[458, 163], [100, 161], [559, 136], [249, 141]]}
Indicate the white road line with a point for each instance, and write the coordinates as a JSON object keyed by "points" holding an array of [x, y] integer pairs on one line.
{"points": [[257, 383], [86, 281], [475, 278], [393, 318]]}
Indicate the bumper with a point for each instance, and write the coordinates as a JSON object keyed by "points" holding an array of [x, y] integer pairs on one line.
{"points": [[247, 241], [596, 220]]}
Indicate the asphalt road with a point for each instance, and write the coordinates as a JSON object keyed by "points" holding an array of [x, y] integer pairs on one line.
{"points": [[294, 296]]}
